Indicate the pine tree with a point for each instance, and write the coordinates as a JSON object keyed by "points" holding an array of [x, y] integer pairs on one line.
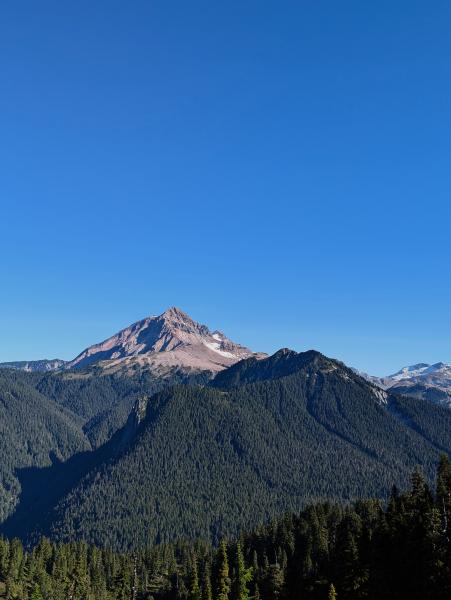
{"points": [[123, 584], [223, 581], [36, 593], [443, 491], [420, 498], [275, 582], [207, 593], [194, 590], [243, 576], [331, 594], [347, 563], [4, 558]]}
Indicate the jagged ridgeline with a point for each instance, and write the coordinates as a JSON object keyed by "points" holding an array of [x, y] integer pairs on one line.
{"points": [[266, 437], [327, 552]]}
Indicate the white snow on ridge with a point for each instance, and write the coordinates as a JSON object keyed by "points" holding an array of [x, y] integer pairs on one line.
{"points": [[408, 372], [420, 370], [216, 348]]}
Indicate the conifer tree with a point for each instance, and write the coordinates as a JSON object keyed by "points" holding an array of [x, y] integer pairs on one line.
{"points": [[331, 594], [223, 581], [243, 576], [420, 498], [123, 584], [207, 593], [402, 551], [4, 558], [194, 590], [275, 582], [36, 593], [443, 492]]}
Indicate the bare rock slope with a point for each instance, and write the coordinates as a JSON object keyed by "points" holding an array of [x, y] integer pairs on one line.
{"points": [[170, 340]]}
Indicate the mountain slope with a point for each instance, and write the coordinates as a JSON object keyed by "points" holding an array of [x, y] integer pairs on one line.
{"points": [[102, 401], [34, 431], [266, 437], [52, 416], [169, 340]]}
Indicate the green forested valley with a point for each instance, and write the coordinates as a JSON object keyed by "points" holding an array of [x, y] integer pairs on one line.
{"points": [[363, 551]]}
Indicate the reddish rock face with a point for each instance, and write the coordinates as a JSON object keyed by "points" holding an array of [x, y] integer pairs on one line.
{"points": [[171, 339]]}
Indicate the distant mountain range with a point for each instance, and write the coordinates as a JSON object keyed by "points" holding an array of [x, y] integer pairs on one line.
{"points": [[34, 366], [423, 381], [174, 342]]}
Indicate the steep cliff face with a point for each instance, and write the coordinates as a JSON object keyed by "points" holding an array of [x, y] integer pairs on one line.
{"points": [[134, 420]]}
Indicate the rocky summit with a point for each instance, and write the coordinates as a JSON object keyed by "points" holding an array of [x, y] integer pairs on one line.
{"points": [[170, 340]]}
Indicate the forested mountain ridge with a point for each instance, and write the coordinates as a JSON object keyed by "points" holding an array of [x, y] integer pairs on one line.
{"points": [[283, 363], [104, 401], [33, 432], [267, 436], [173, 342], [49, 417], [363, 551]]}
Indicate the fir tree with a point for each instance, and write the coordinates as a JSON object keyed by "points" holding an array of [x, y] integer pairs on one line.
{"points": [[331, 594], [194, 590], [207, 593], [223, 581], [36, 593], [443, 490], [243, 576]]}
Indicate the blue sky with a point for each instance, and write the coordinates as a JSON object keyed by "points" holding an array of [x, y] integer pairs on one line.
{"points": [[279, 170]]}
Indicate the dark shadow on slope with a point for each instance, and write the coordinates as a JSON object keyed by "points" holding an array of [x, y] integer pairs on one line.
{"points": [[43, 488]]}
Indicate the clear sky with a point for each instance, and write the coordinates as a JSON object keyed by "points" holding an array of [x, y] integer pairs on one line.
{"points": [[279, 170]]}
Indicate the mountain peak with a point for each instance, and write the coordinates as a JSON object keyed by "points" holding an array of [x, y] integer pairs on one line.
{"points": [[420, 370], [171, 340], [410, 369], [439, 365], [175, 313], [282, 363]]}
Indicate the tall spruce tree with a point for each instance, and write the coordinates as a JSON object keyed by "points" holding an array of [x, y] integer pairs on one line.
{"points": [[223, 580], [194, 589], [207, 593], [331, 594], [243, 576]]}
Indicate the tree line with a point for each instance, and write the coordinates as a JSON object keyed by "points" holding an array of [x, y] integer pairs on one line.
{"points": [[368, 550]]}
